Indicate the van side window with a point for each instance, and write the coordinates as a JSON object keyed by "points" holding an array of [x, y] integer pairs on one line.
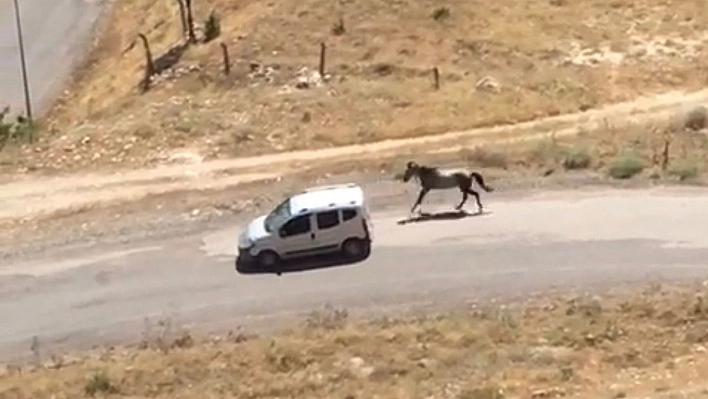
{"points": [[296, 226], [327, 220], [348, 214]]}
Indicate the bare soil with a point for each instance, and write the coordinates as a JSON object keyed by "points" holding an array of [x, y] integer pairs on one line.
{"points": [[500, 63], [625, 343]]}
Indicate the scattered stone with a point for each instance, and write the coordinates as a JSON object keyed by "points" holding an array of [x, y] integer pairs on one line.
{"points": [[554, 392], [488, 83], [359, 367], [258, 71], [307, 79], [186, 158], [425, 363]]}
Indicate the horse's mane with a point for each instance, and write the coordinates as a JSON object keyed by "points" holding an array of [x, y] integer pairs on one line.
{"points": [[426, 168]]}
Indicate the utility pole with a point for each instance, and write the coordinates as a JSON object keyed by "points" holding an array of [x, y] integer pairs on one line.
{"points": [[28, 102]]}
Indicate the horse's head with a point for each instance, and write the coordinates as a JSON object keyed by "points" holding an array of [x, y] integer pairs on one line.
{"points": [[411, 170]]}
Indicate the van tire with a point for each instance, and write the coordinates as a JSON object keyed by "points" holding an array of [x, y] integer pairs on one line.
{"points": [[354, 248], [267, 259]]}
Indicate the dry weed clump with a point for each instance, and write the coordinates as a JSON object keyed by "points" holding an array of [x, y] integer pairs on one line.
{"points": [[573, 345], [577, 158]]}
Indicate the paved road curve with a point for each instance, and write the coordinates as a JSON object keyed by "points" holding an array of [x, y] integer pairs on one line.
{"points": [[554, 240], [54, 32]]}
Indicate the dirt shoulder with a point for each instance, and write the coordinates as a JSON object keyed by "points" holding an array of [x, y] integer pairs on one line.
{"points": [[622, 343]]}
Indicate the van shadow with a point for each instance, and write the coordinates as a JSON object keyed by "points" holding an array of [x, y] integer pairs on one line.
{"points": [[303, 264], [449, 215]]}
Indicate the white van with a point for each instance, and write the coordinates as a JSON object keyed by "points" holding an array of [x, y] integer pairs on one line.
{"points": [[319, 221]]}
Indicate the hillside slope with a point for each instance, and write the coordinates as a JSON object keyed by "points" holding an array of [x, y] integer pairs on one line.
{"points": [[499, 62]]}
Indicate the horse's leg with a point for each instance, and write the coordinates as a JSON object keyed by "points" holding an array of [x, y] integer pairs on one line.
{"points": [[464, 199], [476, 197], [423, 191]]}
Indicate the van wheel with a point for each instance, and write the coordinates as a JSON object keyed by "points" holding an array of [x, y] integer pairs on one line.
{"points": [[268, 259], [354, 248]]}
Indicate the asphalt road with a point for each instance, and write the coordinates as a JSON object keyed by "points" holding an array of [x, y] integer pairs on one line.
{"points": [[55, 32], [554, 240]]}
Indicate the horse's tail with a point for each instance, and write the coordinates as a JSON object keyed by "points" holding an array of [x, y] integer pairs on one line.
{"points": [[480, 180]]}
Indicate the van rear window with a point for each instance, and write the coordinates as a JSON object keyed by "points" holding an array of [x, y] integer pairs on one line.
{"points": [[348, 214]]}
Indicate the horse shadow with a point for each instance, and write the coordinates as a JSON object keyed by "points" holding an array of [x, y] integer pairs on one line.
{"points": [[448, 215], [303, 264]]}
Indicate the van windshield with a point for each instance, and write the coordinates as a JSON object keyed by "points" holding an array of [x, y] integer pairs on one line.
{"points": [[277, 216]]}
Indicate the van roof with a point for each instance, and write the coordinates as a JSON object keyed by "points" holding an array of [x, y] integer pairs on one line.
{"points": [[325, 197]]}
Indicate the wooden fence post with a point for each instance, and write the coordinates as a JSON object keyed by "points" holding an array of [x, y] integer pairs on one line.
{"points": [[183, 16], [323, 51], [666, 151], [227, 60], [436, 77], [190, 22], [149, 64]]}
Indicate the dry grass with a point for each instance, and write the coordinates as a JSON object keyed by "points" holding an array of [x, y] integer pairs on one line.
{"points": [[380, 55], [628, 344]]}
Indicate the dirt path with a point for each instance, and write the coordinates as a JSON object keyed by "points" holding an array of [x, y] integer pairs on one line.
{"points": [[28, 197]]}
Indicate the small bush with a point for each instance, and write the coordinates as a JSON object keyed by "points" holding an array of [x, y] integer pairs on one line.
{"points": [[330, 318], [99, 383], [697, 118], [15, 131], [626, 165], [485, 392], [441, 13], [545, 152], [212, 27], [486, 158], [577, 158], [566, 373], [338, 28], [684, 169]]}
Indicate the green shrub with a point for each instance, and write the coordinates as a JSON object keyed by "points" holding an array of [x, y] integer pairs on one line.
{"points": [[212, 27], [626, 165], [22, 129], [338, 28], [441, 13], [684, 169], [99, 383]]}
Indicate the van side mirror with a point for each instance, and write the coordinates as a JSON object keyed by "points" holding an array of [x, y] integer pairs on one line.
{"points": [[282, 233]]}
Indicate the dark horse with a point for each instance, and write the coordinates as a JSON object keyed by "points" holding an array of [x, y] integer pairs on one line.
{"points": [[432, 178]]}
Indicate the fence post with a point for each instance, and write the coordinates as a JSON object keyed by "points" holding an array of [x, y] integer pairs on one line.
{"points": [[190, 22], [436, 77], [666, 151], [227, 60], [323, 51], [149, 64]]}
